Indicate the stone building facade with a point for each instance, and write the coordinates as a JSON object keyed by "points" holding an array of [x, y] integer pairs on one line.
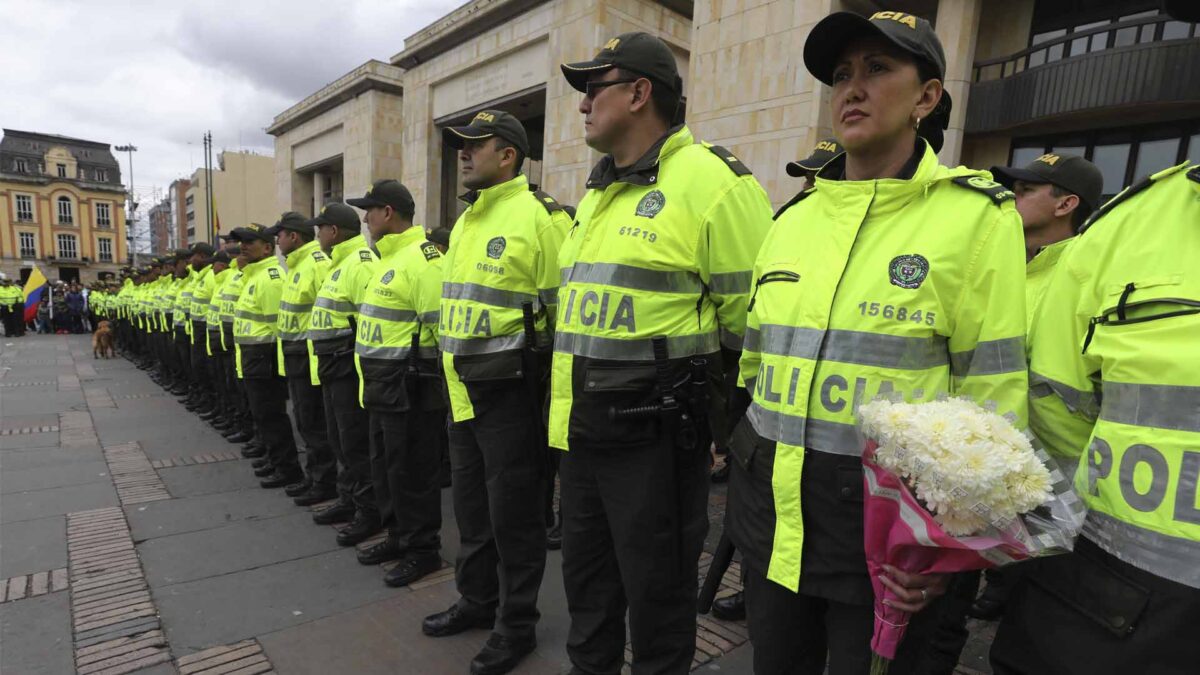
{"points": [[62, 207]]}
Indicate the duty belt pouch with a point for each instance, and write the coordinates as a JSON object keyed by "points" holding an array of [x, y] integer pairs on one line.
{"points": [[384, 387], [336, 365], [605, 387], [1092, 588], [258, 361], [295, 364]]}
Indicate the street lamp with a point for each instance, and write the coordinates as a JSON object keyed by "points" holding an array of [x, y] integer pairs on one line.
{"points": [[130, 241]]}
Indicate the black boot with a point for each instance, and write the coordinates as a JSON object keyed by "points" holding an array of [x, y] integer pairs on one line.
{"points": [[730, 608], [342, 512], [298, 488], [501, 654], [361, 528]]}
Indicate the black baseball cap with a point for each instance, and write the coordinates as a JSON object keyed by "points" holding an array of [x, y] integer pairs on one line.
{"points": [[290, 220], [1069, 172], [910, 33], [222, 257], [825, 150], [204, 248], [338, 215], [440, 235], [389, 192], [485, 124], [640, 53], [251, 232]]}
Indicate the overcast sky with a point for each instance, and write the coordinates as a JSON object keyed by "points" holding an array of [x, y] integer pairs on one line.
{"points": [[158, 74]]}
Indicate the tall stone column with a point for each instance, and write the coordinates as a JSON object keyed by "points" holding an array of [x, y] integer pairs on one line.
{"points": [[957, 26]]}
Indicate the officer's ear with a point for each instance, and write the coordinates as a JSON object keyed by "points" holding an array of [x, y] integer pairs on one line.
{"points": [[641, 94], [1066, 205]]}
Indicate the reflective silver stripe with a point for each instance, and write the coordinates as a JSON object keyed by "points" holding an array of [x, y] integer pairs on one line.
{"points": [[393, 353], [386, 313], [794, 341], [229, 297], [293, 337], [636, 278], [254, 316], [639, 349], [1077, 401], [548, 296], [990, 358], [431, 317], [731, 282], [295, 307], [1152, 405], [832, 437], [885, 351], [465, 346], [487, 295], [564, 275], [1169, 557], [730, 340], [328, 333], [335, 305], [253, 339]]}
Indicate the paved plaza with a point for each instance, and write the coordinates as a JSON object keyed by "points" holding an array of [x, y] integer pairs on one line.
{"points": [[133, 538]]}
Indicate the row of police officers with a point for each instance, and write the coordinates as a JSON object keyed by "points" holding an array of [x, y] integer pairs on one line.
{"points": [[673, 307]]}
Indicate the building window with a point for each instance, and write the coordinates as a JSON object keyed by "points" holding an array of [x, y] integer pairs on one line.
{"points": [[103, 214], [102, 175], [191, 232], [191, 215], [66, 247], [28, 245], [25, 208], [62, 170], [65, 212], [21, 165], [104, 249], [189, 200]]}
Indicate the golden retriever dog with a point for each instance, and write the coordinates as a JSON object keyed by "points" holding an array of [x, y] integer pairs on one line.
{"points": [[102, 342]]}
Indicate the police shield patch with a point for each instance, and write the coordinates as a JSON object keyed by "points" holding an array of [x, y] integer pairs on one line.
{"points": [[651, 204], [495, 248], [908, 271], [387, 278]]}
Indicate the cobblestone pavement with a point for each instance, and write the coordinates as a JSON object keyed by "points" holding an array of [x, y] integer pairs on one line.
{"points": [[135, 539]]}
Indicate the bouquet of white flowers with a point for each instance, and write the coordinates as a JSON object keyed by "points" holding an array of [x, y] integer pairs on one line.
{"points": [[951, 487]]}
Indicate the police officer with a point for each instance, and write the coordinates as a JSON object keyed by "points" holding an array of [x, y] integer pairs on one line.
{"points": [[198, 295], [180, 307], [307, 266], [497, 308], [807, 168], [1055, 194], [910, 281], [401, 390], [242, 430], [11, 310], [331, 329], [254, 333], [656, 278], [215, 348]]}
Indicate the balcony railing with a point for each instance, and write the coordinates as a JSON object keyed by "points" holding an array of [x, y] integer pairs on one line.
{"points": [[1009, 93]]}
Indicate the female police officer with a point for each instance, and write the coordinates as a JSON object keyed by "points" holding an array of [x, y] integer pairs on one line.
{"points": [[891, 274]]}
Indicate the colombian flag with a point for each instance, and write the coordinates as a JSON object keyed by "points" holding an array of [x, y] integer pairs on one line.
{"points": [[35, 288]]}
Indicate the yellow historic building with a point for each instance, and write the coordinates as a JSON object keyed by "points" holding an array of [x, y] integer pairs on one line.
{"points": [[63, 207]]}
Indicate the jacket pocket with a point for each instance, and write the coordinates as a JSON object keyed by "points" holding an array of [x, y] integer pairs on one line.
{"points": [[1094, 590], [259, 361], [488, 367], [336, 365], [605, 389], [384, 386]]}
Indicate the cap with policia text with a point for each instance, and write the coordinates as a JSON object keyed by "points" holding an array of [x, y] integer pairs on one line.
{"points": [[1069, 172], [251, 232], [485, 124], [337, 215], [825, 150], [391, 192], [639, 53], [290, 220], [830, 37]]}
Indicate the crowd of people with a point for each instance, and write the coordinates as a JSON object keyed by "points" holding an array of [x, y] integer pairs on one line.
{"points": [[63, 309], [610, 347]]}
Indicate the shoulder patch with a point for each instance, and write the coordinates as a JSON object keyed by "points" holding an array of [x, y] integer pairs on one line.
{"points": [[430, 250], [319, 256], [795, 200], [365, 256], [547, 202], [991, 188], [1145, 182], [730, 159], [273, 272]]}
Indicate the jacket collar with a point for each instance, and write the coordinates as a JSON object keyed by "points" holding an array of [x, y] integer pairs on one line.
{"points": [[885, 195], [340, 251], [391, 244], [1047, 256], [482, 199], [645, 170], [265, 262], [299, 255]]}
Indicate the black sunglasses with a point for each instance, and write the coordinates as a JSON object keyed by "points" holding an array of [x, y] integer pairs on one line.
{"points": [[592, 87]]}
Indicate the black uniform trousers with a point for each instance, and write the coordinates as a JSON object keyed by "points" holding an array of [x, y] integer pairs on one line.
{"points": [[634, 519], [308, 409], [222, 395], [267, 393], [233, 383], [183, 356], [198, 358], [348, 427], [1088, 612], [497, 461], [406, 467]]}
